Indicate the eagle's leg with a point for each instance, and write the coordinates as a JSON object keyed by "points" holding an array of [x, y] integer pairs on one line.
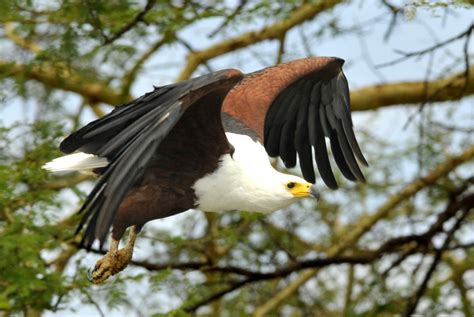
{"points": [[115, 260]]}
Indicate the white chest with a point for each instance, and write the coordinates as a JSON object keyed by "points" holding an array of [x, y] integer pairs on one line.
{"points": [[246, 181]]}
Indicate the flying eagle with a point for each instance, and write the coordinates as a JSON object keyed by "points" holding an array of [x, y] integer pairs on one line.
{"points": [[204, 143]]}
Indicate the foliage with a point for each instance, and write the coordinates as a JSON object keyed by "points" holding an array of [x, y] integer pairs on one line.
{"points": [[361, 251], [26, 226]]}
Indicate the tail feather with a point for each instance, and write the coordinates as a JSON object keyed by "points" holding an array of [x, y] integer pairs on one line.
{"points": [[76, 162]]}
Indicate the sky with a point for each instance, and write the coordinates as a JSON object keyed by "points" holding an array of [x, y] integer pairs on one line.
{"points": [[362, 48]]}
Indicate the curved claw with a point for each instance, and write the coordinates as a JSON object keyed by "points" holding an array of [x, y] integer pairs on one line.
{"points": [[113, 261], [102, 271], [109, 265], [89, 274]]}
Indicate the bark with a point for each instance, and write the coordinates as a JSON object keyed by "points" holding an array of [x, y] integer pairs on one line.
{"points": [[63, 78], [450, 88]]}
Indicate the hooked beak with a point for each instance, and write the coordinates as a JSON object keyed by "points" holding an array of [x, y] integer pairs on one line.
{"points": [[314, 192], [302, 190]]}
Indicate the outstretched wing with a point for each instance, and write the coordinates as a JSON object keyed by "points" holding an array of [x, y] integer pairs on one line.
{"points": [[130, 136], [293, 107]]}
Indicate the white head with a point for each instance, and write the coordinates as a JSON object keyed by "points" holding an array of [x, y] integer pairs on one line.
{"points": [[275, 191], [247, 181]]}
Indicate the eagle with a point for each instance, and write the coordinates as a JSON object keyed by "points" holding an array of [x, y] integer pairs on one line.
{"points": [[205, 144]]}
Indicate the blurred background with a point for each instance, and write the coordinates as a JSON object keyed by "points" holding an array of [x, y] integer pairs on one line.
{"points": [[400, 244]]}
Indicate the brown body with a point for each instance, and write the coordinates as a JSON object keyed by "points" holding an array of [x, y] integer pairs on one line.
{"points": [[166, 187]]}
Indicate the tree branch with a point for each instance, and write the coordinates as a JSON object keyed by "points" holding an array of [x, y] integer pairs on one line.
{"points": [[59, 68], [281, 49], [369, 98], [366, 223], [397, 244], [229, 18], [19, 41], [364, 257], [67, 79], [271, 32], [406, 55], [458, 269], [130, 76], [413, 303], [127, 27], [446, 89]]}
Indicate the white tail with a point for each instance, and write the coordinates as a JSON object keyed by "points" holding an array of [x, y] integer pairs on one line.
{"points": [[76, 162]]}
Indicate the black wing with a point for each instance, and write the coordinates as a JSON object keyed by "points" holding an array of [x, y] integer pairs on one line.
{"points": [[311, 108], [130, 136]]}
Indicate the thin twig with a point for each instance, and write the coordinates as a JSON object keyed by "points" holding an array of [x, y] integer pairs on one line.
{"points": [[96, 20], [452, 128], [407, 55], [411, 307], [305, 42], [229, 18], [393, 21], [130, 76], [301, 14], [466, 59], [93, 302], [281, 48], [215, 296], [140, 17], [192, 50], [368, 58]]}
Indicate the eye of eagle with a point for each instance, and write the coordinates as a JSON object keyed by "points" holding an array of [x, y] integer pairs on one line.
{"points": [[291, 185]]}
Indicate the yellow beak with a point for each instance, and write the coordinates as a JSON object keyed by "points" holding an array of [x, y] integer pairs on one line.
{"points": [[302, 190]]}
